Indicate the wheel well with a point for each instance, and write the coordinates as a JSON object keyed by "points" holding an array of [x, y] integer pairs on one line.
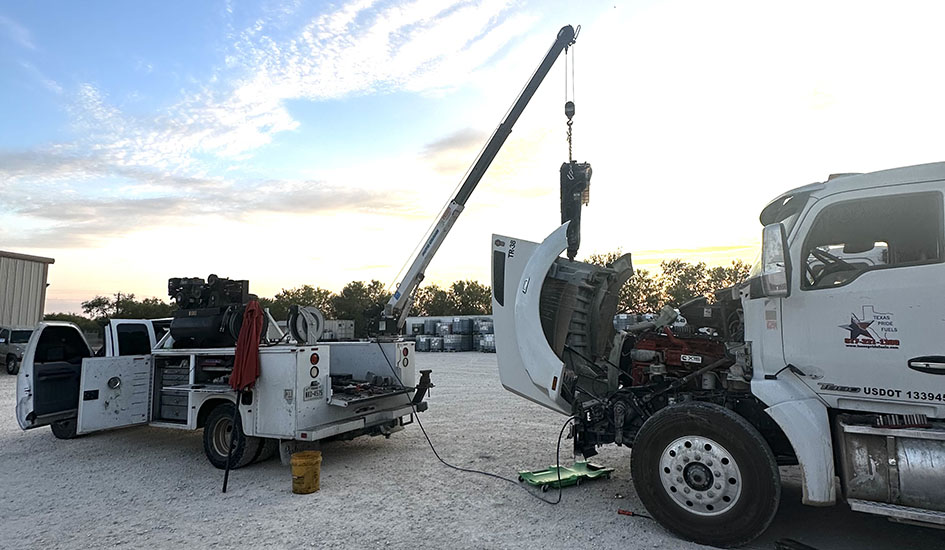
{"points": [[207, 408], [753, 410]]}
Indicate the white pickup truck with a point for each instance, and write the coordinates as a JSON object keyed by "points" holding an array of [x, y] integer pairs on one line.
{"points": [[305, 393]]}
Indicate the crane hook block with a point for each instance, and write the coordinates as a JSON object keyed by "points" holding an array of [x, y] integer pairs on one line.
{"points": [[569, 109]]}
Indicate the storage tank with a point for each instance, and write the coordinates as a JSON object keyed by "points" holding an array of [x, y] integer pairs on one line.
{"points": [[453, 342], [436, 343], [487, 343], [22, 288], [423, 342]]}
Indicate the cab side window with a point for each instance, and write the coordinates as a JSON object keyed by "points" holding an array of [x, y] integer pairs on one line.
{"points": [[852, 237], [133, 339]]}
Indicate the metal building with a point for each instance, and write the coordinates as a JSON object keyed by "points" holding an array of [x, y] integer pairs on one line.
{"points": [[22, 288]]}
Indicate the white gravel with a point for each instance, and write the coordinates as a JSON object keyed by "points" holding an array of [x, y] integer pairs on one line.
{"points": [[153, 488]]}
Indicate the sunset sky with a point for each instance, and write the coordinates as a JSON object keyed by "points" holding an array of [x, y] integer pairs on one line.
{"points": [[294, 143]]}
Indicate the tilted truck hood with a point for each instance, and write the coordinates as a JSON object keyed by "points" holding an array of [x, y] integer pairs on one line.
{"points": [[553, 317]]}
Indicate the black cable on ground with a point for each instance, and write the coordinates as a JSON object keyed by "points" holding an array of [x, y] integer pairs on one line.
{"points": [[481, 472]]}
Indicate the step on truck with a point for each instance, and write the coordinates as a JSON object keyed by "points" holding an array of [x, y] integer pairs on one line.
{"points": [[174, 375], [831, 357]]}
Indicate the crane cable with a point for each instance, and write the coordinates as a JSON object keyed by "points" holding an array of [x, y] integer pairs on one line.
{"points": [[569, 103]]}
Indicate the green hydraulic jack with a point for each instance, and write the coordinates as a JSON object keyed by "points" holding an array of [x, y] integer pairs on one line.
{"points": [[573, 475]]}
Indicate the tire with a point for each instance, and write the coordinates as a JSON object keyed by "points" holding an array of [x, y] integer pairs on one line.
{"points": [[268, 449], [64, 429], [13, 366], [216, 439], [706, 474]]}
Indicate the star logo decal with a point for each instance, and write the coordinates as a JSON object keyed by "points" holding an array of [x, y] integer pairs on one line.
{"points": [[857, 328]]}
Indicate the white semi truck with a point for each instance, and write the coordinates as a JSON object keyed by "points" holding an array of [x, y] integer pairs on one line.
{"points": [[831, 357]]}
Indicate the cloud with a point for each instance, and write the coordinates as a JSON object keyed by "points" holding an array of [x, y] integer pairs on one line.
{"points": [[461, 140], [47, 82], [67, 219], [16, 32], [65, 165], [133, 170], [363, 47]]}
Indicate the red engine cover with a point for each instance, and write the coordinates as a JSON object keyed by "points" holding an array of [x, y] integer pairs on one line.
{"points": [[687, 353]]}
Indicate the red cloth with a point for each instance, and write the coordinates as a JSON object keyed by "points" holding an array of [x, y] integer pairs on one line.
{"points": [[246, 367]]}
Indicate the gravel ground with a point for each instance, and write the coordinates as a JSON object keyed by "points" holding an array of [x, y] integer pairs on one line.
{"points": [[149, 487]]}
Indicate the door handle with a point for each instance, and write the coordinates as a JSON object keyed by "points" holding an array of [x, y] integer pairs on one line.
{"points": [[929, 364]]}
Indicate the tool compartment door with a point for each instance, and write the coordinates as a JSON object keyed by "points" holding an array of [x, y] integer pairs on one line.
{"points": [[114, 392]]}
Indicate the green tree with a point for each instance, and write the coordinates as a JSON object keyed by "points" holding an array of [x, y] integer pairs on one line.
{"points": [[640, 294], [125, 306], [148, 308], [682, 281], [678, 282], [99, 307], [720, 277], [305, 295], [471, 298], [362, 303], [432, 301]]}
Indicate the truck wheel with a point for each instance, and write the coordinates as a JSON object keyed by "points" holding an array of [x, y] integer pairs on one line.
{"points": [[268, 449], [64, 429], [13, 366], [706, 474], [217, 434]]}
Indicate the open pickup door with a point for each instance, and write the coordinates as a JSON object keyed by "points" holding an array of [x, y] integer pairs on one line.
{"points": [[60, 382]]}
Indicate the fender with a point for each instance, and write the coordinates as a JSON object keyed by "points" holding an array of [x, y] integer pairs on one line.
{"points": [[802, 417]]}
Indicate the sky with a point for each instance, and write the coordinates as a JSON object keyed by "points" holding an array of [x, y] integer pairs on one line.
{"points": [[294, 143]]}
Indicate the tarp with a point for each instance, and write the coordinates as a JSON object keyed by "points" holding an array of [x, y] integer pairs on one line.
{"points": [[246, 367]]}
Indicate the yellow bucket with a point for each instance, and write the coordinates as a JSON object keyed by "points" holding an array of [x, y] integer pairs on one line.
{"points": [[306, 467]]}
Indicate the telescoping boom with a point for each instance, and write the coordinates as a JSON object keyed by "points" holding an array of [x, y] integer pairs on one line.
{"points": [[395, 313]]}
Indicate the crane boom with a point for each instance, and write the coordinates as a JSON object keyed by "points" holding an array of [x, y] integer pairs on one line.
{"points": [[395, 312]]}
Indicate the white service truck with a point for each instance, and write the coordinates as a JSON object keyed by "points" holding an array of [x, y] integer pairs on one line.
{"points": [[305, 392], [831, 357]]}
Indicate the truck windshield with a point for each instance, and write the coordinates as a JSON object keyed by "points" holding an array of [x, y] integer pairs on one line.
{"points": [[20, 336]]}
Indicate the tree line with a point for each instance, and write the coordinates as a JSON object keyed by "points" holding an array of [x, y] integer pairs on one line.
{"points": [[363, 302], [677, 282]]}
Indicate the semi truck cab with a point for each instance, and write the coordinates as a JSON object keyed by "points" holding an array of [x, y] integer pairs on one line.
{"points": [[831, 356]]}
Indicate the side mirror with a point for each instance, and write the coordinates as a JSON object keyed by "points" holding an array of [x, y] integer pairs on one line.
{"points": [[775, 262]]}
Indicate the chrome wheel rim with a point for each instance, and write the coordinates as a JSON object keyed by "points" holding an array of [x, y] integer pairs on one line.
{"points": [[700, 475], [222, 432]]}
